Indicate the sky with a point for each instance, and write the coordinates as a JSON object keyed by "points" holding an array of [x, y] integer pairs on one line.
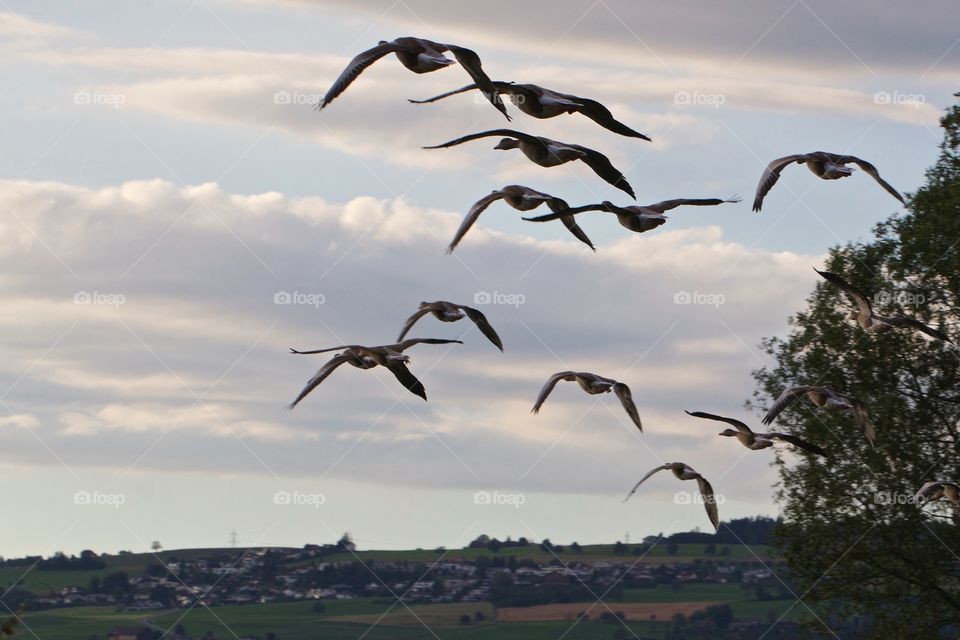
{"points": [[175, 216]]}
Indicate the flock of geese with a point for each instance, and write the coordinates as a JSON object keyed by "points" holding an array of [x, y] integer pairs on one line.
{"points": [[424, 56]]}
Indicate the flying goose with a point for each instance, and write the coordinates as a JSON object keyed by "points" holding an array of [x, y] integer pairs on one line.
{"points": [[420, 56], [550, 153], [757, 441], [938, 489], [825, 165], [870, 321], [543, 103], [450, 312], [592, 384], [684, 471], [824, 398], [637, 218], [523, 199], [390, 356]]}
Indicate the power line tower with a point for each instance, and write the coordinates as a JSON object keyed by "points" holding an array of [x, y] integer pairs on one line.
{"points": [[233, 539]]}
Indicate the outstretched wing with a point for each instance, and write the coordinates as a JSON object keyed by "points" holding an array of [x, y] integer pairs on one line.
{"points": [[602, 116], [787, 398], [928, 489], [872, 170], [356, 67], [470, 62], [556, 204], [626, 399], [469, 87], [548, 387], [320, 376], [644, 479], [602, 166], [770, 176], [797, 442], [403, 345], [506, 133], [484, 325], [666, 205], [328, 349], [739, 426], [862, 417], [402, 373], [478, 207], [412, 320], [902, 321], [709, 501], [564, 213], [862, 302]]}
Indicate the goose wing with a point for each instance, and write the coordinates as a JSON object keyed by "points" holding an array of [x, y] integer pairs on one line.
{"points": [[413, 319], [506, 133], [356, 66], [872, 171], [862, 417], [326, 350], [770, 176], [602, 116], [469, 87], [666, 205], [797, 442], [408, 380], [787, 398], [549, 385], [556, 204], [626, 399], [470, 62], [928, 489], [602, 166], [484, 325], [566, 212], [403, 345], [903, 321], [862, 302], [709, 501], [319, 377], [739, 426], [669, 465], [473, 214]]}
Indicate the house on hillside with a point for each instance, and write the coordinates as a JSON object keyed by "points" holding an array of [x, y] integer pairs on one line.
{"points": [[129, 633]]}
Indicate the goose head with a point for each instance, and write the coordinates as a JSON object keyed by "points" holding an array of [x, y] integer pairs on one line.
{"points": [[507, 143], [729, 433]]}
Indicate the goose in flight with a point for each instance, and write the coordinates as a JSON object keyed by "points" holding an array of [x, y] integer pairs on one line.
{"points": [[683, 471], [870, 321], [543, 103], [757, 441], [450, 312], [550, 153], [420, 56], [637, 218], [390, 356], [592, 384], [523, 199], [824, 398], [938, 489], [825, 165]]}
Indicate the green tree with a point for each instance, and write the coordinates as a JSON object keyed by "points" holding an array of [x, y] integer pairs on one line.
{"points": [[851, 534]]}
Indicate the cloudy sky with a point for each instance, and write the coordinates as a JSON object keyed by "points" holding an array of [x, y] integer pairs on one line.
{"points": [[164, 182]]}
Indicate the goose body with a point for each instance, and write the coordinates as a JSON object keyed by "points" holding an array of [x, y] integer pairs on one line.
{"points": [[539, 102], [549, 153], [824, 165], [683, 471], [388, 356], [592, 384]]}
